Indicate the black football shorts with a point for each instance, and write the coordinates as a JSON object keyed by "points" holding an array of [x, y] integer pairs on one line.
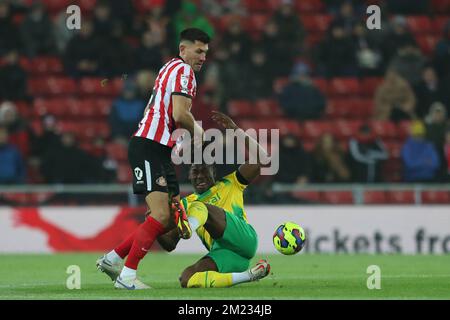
{"points": [[152, 167]]}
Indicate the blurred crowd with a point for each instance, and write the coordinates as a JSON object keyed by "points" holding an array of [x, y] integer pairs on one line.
{"points": [[116, 41]]}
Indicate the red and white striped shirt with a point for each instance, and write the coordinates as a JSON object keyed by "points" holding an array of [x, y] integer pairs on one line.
{"points": [[175, 77]]}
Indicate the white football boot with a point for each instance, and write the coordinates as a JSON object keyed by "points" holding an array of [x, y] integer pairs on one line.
{"points": [[260, 270], [111, 269], [130, 284]]}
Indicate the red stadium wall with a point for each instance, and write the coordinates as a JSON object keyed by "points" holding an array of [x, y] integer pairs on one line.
{"points": [[345, 229]]}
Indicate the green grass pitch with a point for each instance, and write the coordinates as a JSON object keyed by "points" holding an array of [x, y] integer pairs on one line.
{"points": [[303, 276]]}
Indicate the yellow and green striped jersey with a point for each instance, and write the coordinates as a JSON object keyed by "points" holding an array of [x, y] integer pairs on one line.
{"points": [[227, 194]]}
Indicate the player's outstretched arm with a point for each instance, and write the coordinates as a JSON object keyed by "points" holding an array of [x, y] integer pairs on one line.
{"points": [[247, 170]]}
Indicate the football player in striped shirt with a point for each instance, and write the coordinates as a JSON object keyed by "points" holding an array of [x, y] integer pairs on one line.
{"points": [[149, 155]]}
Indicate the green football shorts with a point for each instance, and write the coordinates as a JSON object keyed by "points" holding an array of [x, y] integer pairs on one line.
{"points": [[234, 251]]}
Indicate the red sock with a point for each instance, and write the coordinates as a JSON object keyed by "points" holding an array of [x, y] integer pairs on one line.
{"points": [[145, 235], [124, 248]]}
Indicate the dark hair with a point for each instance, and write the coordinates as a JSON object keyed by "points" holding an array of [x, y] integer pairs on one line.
{"points": [[193, 34]]}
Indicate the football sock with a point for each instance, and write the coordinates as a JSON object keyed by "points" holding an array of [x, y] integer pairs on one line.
{"points": [[114, 257], [210, 279], [197, 214], [146, 234], [128, 273], [123, 249], [240, 277]]}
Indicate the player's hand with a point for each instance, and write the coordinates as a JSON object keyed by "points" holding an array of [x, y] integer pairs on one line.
{"points": [[223, 120]]}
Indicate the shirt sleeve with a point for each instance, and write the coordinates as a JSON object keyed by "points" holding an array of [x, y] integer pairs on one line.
{"points": [[185, 83], [233, 179]]}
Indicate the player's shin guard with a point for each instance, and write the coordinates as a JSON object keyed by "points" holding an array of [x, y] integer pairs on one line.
{"points": [[146, 234], [210, 279], [197, 214]]}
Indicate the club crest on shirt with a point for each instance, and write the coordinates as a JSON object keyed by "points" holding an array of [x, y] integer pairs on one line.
{"points": [[161, 181], [184, 82], [138, 173]]}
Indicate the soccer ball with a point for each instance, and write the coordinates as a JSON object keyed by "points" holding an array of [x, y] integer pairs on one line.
{"points": [[289, 238]]}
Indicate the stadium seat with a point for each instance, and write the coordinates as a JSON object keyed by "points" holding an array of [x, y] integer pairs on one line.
{"points": [[392, 170], [440, 6], [309, 196], [384, 129], [267, 108], [322, 85], [419, 24], [403, 129], [427, 43], [258, 5], [394, 149], [400, 197], [337, 197], [56, 6], [103, 106], [45, 66], [435, 197], [144, 6], [100, 87], [350, 108], [46, 86], [241, 109], [439, 23], [254, 24], [369, 86], [344, 86], [88, 5], [124, 173], [24, 108], [315, 129], [374, 197], [345, 129], [363, 108], [316, 23], [309, 6], [117, 151]]}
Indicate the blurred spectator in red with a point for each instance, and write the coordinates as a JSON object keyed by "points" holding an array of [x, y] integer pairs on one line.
{"points": [[420, 159], [368, 55], [300, 99], [290, 28], [295, 162], [20, 133], [441, 56], [328, 162], [37, 32], [237, 41], [409, 63], [13, 79], [82, 55], [394, 99], [336, 54], [126, 112], [189, 16], [366, 153], [9, 34], [429, 90], [436, 126], [398, 36], [12, 169], [67, 163]]}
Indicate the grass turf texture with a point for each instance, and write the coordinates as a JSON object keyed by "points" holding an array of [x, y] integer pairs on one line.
{"points": [[293, 277]]}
